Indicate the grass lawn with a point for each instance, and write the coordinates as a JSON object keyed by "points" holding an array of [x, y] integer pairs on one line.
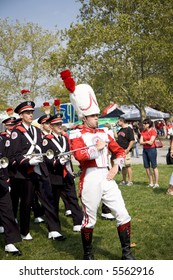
{"points": [[152, 223]]}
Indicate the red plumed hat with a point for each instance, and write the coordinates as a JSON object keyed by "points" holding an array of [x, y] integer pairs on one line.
{"points": [[82, 96], [9, 111], [25, 93], [57, 103], [46, 104]]}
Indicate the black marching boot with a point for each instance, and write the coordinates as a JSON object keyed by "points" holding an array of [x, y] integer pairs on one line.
{"points": [[86, 234], [124, 236]]}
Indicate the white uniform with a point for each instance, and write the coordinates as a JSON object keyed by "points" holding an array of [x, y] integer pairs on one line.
{"points": [[94, 187]]}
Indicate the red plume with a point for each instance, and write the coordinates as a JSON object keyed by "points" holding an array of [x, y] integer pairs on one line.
{"points": [[65, 74], [57, 102], [68, 80], [9, 111], [46, 104], [70, 84], [23, 91]]}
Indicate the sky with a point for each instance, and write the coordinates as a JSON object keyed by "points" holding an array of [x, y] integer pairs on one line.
{"points": [[47, 13]]}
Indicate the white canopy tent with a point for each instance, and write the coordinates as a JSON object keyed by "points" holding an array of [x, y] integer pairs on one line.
{"points": [[132, 113]]}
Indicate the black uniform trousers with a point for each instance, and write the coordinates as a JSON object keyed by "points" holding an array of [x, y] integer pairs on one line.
{"points": [[16, 188], [11, 229], [41, 186], [69, 191]]}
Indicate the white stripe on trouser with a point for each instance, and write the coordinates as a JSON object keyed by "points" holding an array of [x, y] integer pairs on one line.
{"points": [[97, 188]]}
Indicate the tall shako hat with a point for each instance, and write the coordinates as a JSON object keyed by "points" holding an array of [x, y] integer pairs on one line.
{"points": [[55, 119], [43, 119], [26, 105], [9, 121], [82, 96]]}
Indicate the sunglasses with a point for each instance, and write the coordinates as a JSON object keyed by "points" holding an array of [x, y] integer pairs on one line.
{"points": [[145, 123]]}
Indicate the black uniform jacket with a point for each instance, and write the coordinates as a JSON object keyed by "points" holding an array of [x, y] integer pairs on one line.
{"points": [[19, 146], [57, 171], [4, 178]]}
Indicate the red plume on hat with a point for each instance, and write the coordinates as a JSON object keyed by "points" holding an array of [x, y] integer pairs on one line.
{"points": [[46, 107], [25, 92], [46, 104], [68, 80], [57, 104], [9, 111]]}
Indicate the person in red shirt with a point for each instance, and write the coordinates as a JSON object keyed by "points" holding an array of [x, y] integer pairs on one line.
{"points": [[147, 139]]}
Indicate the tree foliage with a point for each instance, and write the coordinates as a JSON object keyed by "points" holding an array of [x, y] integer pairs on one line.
{"points": [[24, 49], [124, 50]]}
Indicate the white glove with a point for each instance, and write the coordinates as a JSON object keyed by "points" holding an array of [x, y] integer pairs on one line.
{"points": [[64, 159], [35, 160]]}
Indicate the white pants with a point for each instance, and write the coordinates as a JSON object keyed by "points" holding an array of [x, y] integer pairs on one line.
{"points": [[97, 188]]}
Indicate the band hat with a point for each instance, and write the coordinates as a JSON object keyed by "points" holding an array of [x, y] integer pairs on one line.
{"points": [[82, 96], [24, 106], [55, 119], [9, 121], [16, 121], [43, 119]]}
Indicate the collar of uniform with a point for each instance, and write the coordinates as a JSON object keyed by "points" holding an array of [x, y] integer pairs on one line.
{"points": [[26, 126], [56, 135], [88, 129]]}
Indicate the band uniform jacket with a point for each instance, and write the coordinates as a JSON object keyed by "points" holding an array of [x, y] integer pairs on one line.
{"points": [[4, 177], [57, 171], [19, 147]]}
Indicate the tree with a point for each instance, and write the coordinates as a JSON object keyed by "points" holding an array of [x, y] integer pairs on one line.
{"points": [[24, 49], [124, 50]]}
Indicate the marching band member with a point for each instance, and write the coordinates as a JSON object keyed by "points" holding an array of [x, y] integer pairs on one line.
{"points": [[44, 125], [5, 135], [60, 170], [91, 146], [11, 230], [25, 153]]}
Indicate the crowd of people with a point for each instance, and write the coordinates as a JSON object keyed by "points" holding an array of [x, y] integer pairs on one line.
{"points": [[36, 170]]}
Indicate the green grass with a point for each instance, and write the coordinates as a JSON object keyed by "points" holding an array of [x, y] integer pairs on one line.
{"points": [[152, 216]]}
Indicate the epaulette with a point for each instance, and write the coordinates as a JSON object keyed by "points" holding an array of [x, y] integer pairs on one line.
{"points": [[49, 136], [21, 128], [75, 133], [4, 133]]}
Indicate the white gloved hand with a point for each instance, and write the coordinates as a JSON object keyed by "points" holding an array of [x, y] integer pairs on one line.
{"points": [[64, 159], [35, 160]]}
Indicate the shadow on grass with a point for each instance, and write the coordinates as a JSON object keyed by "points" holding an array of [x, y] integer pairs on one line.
{"points": [[159, 190]]}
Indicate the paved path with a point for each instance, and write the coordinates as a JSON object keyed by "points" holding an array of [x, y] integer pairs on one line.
{"points": [[161, 154]]}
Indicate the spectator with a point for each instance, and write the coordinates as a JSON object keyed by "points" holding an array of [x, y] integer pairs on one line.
{"points": [[148, 136], [126, 140], [170, 188], [169, 130]]}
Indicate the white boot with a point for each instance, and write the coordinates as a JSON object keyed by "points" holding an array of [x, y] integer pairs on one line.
{"points": [[10, 248], [55, 235], [1, 229], [27, 237]]}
